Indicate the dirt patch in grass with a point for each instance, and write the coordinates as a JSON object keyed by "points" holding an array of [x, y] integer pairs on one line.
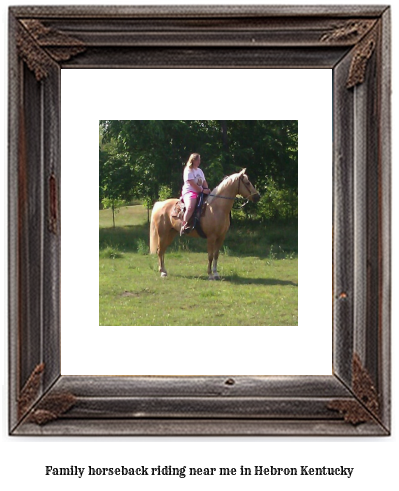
{"points": [[145, 291]]}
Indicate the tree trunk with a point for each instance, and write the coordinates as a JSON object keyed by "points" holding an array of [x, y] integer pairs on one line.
{"points": [[224, 136]]}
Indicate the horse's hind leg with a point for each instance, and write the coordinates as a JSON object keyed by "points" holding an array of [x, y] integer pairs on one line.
{"points": [[164, 243], [161, 262]]}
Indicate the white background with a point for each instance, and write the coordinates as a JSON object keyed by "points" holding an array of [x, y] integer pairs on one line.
{"points": [[374, 459], [303, 95]]}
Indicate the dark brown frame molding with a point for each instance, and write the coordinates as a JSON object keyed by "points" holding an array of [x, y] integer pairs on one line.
{"points": [[352, 41]]}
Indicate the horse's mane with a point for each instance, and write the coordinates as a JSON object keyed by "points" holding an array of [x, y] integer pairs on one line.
{"points": [[227, 181]]}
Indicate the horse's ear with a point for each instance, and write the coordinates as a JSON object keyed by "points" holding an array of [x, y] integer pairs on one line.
{"points": [[242, 172]]}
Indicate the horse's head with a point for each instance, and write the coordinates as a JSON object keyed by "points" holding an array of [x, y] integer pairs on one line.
{"points": [[246, 189]]}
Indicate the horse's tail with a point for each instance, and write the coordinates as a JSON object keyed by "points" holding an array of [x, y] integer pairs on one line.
{"points": [[154, 237]]}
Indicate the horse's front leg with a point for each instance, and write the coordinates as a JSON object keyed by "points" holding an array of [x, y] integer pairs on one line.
{"points": [[213, 254], [211, 247], [215, 265], [216, 250]]}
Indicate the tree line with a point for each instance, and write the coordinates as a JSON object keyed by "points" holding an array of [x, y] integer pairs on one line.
{"points": [[144, 160]]}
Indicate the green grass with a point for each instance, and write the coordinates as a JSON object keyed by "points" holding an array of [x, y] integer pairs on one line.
{"points": [[258, 267], [125, 216]]}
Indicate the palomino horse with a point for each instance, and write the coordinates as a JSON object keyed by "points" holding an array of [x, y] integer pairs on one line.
{"points": [[215, 220]]}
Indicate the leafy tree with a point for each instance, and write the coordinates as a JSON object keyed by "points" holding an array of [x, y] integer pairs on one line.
{"points": [[142, 159], [115, 205]]}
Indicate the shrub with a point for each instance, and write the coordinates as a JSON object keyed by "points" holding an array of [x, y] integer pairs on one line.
{"points": [[110, 253], [142, 247], [277, 202], [165, 192]]}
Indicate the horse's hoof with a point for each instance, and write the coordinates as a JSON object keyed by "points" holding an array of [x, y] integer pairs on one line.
{"points": [[164, 275], [211, 278], [216, 277]]}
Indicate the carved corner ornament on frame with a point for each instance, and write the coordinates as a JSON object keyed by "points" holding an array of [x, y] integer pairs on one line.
{"points": [[353, 42]]}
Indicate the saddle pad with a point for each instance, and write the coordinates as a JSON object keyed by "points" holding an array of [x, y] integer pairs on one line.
{"points": [[178, 209]]}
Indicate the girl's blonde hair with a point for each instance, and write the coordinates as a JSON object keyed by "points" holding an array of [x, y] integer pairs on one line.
{"points": [[193, 157]]}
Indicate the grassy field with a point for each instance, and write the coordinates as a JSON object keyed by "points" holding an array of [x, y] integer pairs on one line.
{"points": [[258, 266]]}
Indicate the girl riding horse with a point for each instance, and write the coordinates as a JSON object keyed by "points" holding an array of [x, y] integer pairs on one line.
{"points": [[215, 220], [194, 183]]}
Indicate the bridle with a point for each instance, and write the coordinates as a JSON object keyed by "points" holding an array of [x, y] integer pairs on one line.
{"points": [[240, 180]]}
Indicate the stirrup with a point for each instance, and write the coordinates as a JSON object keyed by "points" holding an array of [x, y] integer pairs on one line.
{"points": [[184, 229]]}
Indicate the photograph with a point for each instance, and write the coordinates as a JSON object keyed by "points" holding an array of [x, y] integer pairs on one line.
{"points": [[172, 219]]}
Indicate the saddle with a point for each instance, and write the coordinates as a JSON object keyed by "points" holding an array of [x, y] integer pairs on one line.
{"points": [[194, 222]]}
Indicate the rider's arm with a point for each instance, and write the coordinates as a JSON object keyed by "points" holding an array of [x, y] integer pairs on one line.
{"points": [[205, 186], [195, 186]]}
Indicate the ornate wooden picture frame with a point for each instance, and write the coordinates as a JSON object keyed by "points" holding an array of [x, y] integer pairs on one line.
{"points": [[354, 42]]}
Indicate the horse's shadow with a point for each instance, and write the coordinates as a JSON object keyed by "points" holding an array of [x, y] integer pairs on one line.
{"points": [[237, 280]]}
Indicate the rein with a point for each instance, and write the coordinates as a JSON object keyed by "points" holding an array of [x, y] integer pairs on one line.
{"points": [[227, 197], [224, 197], [235, 198]]}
